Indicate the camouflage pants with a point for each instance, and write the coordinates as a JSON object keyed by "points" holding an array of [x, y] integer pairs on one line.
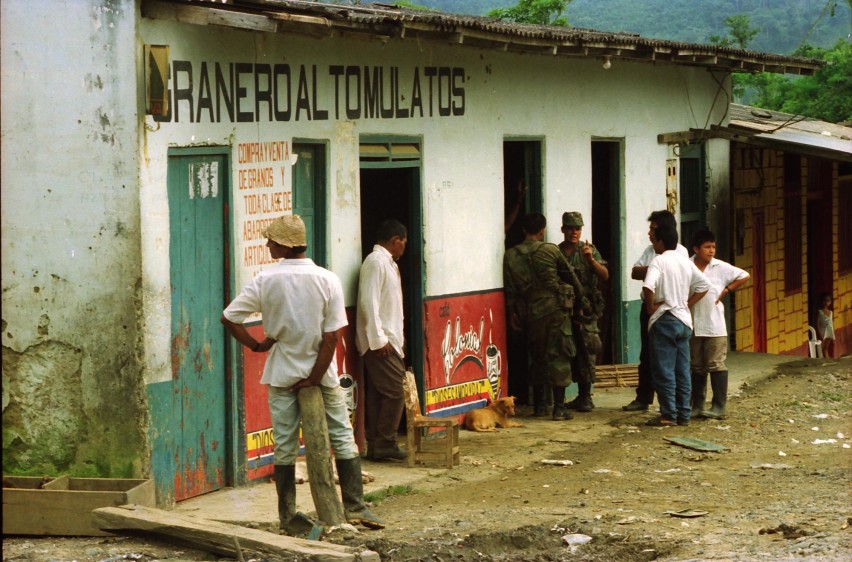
{"points": [[583, 364], [551, 347]]}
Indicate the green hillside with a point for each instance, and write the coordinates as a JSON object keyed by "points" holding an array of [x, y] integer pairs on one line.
{"points": [[783, 24]]}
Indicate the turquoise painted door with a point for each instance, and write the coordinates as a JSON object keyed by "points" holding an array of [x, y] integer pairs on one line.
{"points": [[197, 189], [309, 196]]}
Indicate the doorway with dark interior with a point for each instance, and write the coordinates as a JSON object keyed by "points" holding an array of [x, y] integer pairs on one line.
{"points": [[606, 234], [820, 258], [522, 173], [393, 192]]}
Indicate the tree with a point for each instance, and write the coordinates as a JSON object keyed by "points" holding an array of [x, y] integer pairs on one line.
{"points": [[740, 32], [539, 12]]}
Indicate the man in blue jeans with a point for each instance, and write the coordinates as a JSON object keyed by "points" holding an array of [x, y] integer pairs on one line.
{"points": [[672, 285]]}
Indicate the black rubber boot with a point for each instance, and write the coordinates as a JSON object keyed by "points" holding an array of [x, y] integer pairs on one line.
{"points": [[559, 411], [539, 400], [352, 487], [699, 394], [719, 384], [583, 402], [285, 486]]}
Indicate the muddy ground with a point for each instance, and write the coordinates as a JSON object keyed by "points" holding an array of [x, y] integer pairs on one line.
{"points": [[781, 491]]}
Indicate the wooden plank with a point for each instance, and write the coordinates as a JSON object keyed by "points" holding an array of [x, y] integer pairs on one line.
{"points": [[318, 456], [218, 538]]}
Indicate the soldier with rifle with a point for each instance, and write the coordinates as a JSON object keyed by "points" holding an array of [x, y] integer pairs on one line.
{"points": [[591, 270]]}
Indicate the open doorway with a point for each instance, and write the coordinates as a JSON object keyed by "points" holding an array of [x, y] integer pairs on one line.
{"points": [[819, 234], [606, 235], [521, 166], [394, 193]]}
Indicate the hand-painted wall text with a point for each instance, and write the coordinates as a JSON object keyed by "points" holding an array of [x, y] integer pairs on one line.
{"points": [[246, 92], [263, 187]]}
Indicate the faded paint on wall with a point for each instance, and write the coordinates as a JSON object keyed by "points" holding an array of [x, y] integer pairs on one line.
{"points": [[70, 231]]}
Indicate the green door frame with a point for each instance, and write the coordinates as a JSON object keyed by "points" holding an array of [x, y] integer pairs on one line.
{"points": [[315, 202], [385, 159], [234, 423], [533, 170]]}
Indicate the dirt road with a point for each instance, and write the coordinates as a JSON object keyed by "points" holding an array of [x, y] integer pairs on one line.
{"points": [[780, 490]]}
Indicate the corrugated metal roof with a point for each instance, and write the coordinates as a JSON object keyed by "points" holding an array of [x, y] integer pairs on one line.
{"points": [[386, 23], [792, 129]]}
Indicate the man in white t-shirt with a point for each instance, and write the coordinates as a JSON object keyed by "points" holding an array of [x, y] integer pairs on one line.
{"points": [[709, 344], [645, 388], [302, 308], [672, 285]]}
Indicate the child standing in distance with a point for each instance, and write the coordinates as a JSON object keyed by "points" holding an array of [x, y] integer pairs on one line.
{"points": [[825, 324], [709, 343]]}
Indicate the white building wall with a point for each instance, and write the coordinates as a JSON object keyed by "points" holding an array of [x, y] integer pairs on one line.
{"points": [[70, 230], [565, 102]]}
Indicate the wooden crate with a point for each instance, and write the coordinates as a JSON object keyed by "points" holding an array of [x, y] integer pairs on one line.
{"points": [[609, 376], [63, 505]]}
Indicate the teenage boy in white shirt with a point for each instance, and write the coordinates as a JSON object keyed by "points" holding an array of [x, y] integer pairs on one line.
{"points": [[709, 344]]}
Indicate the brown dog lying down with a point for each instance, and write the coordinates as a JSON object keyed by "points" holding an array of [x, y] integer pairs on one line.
{"points": [[493, 416]]}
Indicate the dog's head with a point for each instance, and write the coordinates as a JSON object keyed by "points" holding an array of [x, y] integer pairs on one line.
{"points": [[506, 406]]}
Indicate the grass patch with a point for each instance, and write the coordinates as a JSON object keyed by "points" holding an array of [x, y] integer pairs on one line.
{"points": [[833, 396], [389, 492]]}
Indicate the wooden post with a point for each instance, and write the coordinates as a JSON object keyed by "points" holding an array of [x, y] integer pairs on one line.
{"points": [[318, 457]]}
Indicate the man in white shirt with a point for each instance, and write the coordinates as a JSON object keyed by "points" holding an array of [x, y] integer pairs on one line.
{"points": [[672, 285], [380, 341], [302, 308], [709, 344], [645, 388]]}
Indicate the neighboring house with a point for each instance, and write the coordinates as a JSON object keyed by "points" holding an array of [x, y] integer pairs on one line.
{"points": [[791, 186], [789, 224], [146, 145]]}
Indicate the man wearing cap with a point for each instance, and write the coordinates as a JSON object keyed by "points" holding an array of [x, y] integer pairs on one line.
{"points": [[591, 270], [380, 340], [302, 308]]}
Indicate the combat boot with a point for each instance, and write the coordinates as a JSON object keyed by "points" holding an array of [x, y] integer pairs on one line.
{"points": [[699, 394], [352, 488], [539, 401], [583, 402], [719, 384], [559, 411]]}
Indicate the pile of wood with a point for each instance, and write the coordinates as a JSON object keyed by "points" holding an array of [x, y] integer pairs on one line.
{"points": [[610, 376]]}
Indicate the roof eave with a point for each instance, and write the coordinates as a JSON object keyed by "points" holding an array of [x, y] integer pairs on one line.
{"points": [[328, 20]]}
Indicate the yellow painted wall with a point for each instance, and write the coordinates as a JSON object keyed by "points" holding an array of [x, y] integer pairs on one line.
{"points": [[757, 176]]}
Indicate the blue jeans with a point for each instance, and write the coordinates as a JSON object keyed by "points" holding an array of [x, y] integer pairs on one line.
{"points": [[669, 339]]}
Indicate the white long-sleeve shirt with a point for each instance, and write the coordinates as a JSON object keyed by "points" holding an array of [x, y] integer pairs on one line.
{"points": [[380, 318]]}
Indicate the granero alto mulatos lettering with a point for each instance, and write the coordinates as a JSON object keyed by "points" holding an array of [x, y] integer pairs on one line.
{"points": [[247, 92]]}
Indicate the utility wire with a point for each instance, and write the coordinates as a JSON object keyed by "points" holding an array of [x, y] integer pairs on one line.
{"points": [[829, 4]]}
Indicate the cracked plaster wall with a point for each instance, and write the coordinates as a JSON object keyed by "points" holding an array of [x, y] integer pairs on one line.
{"points": [[73, 396]]}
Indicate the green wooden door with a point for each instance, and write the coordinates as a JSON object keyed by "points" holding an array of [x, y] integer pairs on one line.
{"points": [[197, 416], [309, 196]]}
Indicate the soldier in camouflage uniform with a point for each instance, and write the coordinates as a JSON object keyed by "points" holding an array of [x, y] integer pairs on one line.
{"points": [[541, 293], [591, 270], [518, 282]]}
